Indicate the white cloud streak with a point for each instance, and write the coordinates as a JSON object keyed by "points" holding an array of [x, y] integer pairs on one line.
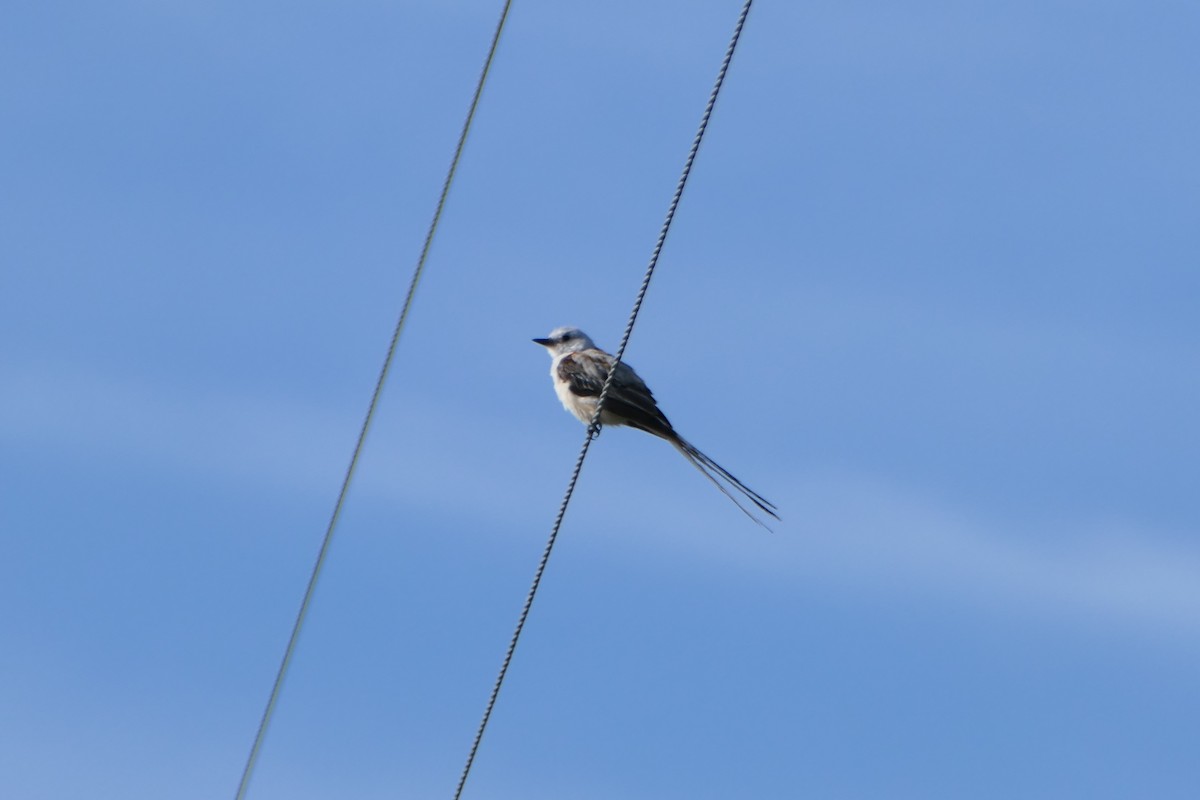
{"points": [[840, 529], [870, 536]]}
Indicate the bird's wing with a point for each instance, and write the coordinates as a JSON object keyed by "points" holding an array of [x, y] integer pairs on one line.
{"points": [[628, 398], [584, 372]]}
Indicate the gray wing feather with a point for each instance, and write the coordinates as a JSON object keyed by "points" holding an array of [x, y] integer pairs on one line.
{"points": [[628, 398]]}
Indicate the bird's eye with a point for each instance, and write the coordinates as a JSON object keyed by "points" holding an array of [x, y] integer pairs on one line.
{"points": [[568, 336]]}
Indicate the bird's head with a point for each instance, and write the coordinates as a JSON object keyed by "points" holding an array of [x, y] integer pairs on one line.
{"points": [[565, 340]]}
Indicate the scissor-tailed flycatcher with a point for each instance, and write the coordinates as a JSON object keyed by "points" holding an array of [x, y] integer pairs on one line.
{"points": [[579, 371]]}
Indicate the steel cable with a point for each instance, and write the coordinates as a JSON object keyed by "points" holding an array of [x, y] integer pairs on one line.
{"points": [[289, 651], [594, 426]]}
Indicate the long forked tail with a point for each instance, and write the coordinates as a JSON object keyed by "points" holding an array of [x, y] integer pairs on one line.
{"points": [[712, 470]]}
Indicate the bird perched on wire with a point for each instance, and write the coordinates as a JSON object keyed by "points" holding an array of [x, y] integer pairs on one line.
{"points": [[579, 370]]}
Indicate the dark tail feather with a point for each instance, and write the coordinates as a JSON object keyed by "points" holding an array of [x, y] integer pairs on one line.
{"points": [[705, 464], [766, 505]]}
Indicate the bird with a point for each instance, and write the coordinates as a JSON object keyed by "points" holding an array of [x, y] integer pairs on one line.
{"points": [[579, 370]]}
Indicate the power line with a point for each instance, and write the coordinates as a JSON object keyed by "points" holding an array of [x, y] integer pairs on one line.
{"points": [[263, 724], [594, 426]]}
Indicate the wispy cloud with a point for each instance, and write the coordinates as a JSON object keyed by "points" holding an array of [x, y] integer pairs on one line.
{"points": [[871, 536], [83, 413], [840, 530], [268, 443]]}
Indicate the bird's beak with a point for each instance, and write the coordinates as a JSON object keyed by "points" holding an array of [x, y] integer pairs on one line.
{"points": [[544, 342]]}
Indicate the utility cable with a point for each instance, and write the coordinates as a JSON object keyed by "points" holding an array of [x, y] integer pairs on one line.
{"points": [[289, 651], [594, 427]]}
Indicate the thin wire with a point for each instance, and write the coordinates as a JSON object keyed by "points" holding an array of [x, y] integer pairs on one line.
{"points": [[594, 425], [255, 749]]}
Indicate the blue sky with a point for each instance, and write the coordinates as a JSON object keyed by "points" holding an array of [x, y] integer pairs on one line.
{"points": [[932, 290]]}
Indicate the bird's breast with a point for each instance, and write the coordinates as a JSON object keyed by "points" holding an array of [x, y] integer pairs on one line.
{"points": [[581, 407]]}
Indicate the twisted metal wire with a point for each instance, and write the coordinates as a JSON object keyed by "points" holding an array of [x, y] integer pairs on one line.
{"points": [[594, 426], [290, 650]]}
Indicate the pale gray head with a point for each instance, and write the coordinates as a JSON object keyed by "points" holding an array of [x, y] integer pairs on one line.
{"points": [[566, 340]]}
